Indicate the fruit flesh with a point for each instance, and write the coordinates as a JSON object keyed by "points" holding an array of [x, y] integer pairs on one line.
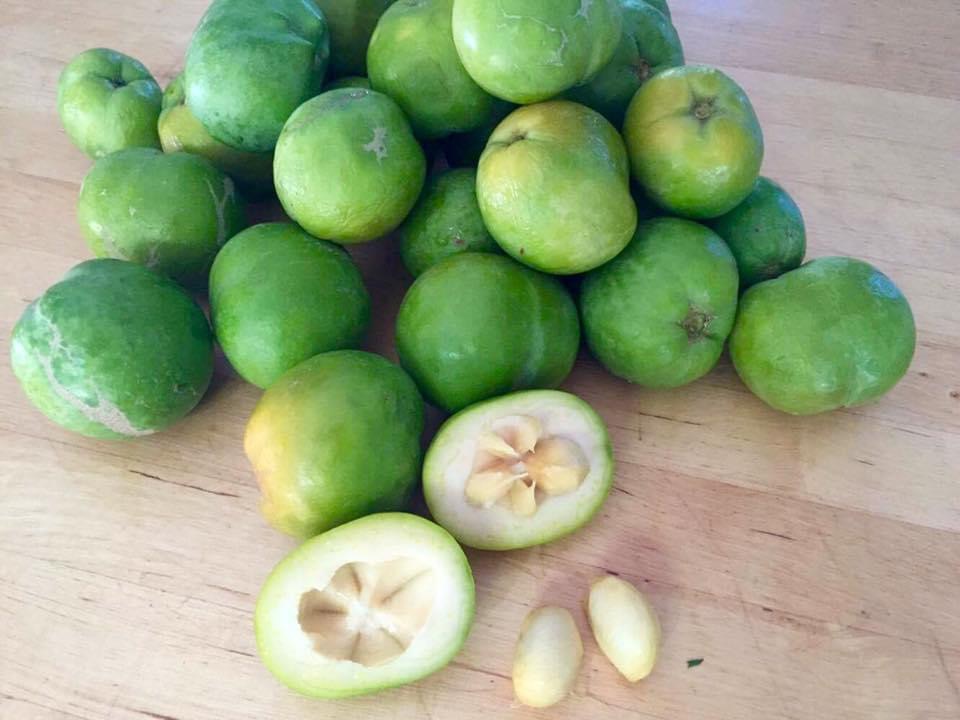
{"points": [[547, 658], [765, 233], [650, 44], [379, 602], [347, 166], [834, 333], [694, 140], [527, 51], [476, 325], [113, 350], [250, 64], [625, 626], [412, 59], [659, 314], [445, 221], [575, 211], [279, 296], [108, 101], [335, 438], [519, 470], [171, 213]]}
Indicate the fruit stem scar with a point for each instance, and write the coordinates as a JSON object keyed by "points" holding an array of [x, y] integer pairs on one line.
{"points": [[642, 70], [703, 108], [696, 323]]}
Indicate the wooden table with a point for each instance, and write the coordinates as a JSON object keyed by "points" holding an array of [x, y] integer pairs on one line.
{"points": [[813, 564]]}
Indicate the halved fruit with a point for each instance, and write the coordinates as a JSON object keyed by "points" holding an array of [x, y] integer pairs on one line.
{"points": [[520, 470], [379, 602]]}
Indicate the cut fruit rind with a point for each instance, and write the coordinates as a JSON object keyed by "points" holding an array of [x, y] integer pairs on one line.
{"points": [[379, 602], [520, 470]]}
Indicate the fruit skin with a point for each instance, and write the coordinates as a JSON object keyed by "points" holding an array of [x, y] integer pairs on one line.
{"points": [[390, 530], [548, 657], [527, 51], [765, 233], [108, 101], [350, 134], [659, 314], [834, 333], [171, 213], [477, 325], [465, 149], [691, 167], [251, 63], [279, 296], [180, 130], [575, 212], [649, 44], [348, 81], [334, 439], [113, 350], [445, 221], [518, 533], [412, 59], [351, 25], [625, 626], [660, 5]]}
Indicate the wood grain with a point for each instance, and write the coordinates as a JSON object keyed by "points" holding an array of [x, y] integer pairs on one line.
{"points": [[813, 564]]}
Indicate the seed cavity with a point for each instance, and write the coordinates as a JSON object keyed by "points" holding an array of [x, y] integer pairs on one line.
{"points": [[369, 613], [518, 467]]}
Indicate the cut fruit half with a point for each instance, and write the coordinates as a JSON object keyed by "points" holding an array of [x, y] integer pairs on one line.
{"points": [[519, 470], [379, 602]]}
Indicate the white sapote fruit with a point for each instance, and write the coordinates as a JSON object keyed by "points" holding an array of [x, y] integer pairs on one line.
{"points": [[379, 602], [519, 470], [548, 657], [625, 626]]}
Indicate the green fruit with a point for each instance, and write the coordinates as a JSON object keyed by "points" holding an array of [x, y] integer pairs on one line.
{"points": [[765, 233], [113, 350], [519, 470], [412, 59], [181, 131], [465, 149], [250, 64], [279, 296], [107, 102], [445, 221], [350, 81], [834, 333], [694, 140], [334, 439], [478, 325], [660, 5], [351, 25], [383, 601], [347, 166], [575, 212], [659, 314], [649, 44], [527, 51], [171, 213]]}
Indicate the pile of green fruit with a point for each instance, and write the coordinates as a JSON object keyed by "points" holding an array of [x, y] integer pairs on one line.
{"points": [[576, 143]]}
